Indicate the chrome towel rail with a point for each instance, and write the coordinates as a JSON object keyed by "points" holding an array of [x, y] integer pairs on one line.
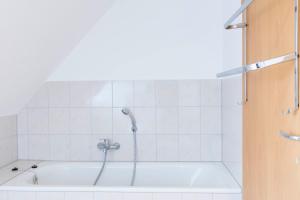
{"points": [[257, 65], [229, 25], [266, 63], [289, 137]]}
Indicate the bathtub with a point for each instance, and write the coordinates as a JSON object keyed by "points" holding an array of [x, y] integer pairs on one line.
{"points": [[200, 177]]}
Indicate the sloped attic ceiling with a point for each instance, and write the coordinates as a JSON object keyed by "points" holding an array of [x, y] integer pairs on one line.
{"points": [[35, 36]]}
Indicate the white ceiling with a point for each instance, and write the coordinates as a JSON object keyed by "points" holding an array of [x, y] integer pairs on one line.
{"points": [[35, 35]]}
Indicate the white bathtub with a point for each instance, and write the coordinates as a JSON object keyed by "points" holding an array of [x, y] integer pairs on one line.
{"points": [[208, 177]]}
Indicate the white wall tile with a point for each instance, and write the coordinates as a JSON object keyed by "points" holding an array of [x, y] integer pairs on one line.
{"points": [[59, 119], [80, 120], [8, 126], [38, 120], [79, 196], [167, 148], [211, 120], [189, 148], [81, 113], [231, 144], [166, 93], [102, 94], [102, 120], [125, 153], [232, 120], [50, 196], [227, 197], [231, 91], [122, 93], [189, 93], [144, 93], [232, 126], [211, 149], [80, 147], [167, 196], [3, 195], [210, 92], [146, 147], [59, 94], [189, 120], [196, 196], [59, 147], [39, 147], [80, 93], [121, 122], [22, 122], [145, 120], [23, 147], [15, 195], [167, 120], [8, 150], [8, 139]]}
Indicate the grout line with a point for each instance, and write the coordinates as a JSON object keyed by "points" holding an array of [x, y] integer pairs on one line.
{"points": [[222, 131]]}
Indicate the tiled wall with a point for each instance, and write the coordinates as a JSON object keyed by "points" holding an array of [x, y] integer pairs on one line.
{"points": [[8, 140], [114, 196], [177, 120], [232, 125]]}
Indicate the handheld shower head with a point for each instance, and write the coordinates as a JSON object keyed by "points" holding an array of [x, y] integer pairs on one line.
{"points": [[127, 111]]}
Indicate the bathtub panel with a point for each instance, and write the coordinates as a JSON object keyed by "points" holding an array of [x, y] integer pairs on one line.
{"points": [[196, 196], [108, 196], [227, 197], [79, 196], [17, 195], [50, 196]]}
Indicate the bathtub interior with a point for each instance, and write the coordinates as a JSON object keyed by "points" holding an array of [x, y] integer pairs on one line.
{"points": [[150, 176]]}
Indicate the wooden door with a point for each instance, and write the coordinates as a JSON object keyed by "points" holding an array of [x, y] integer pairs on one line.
{"points": [[270, 164]]}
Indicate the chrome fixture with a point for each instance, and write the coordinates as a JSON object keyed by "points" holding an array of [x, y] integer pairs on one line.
{"points": [[228, 25], [243, 7], [126, 111], [108, 145], [105, 146], [293, 56], [35, 180], [258, 65], [289, 137]]}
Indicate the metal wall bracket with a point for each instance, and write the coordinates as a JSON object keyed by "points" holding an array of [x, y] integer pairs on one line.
{"points": [[228, 24]]}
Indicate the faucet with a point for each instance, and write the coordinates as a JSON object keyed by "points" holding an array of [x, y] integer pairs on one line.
{"points": [[108, 145], [104, 146]]}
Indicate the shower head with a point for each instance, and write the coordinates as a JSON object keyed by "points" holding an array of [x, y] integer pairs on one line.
{"points": [[127, 111]]}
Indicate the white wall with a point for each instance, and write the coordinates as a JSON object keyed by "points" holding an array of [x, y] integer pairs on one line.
{"points": [[35, 36], [142, 39], [232, 95]]}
